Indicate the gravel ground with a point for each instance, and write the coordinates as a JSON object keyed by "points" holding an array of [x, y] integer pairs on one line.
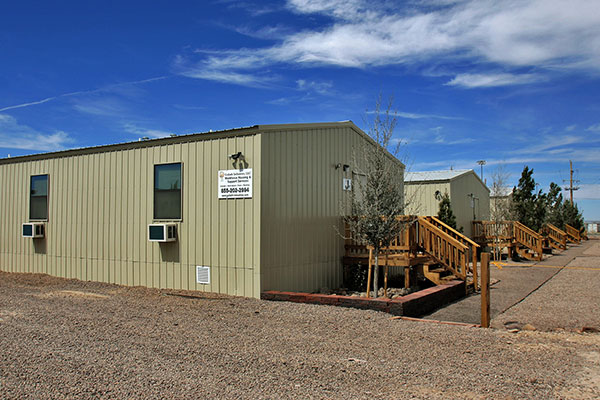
{"points": [[568, 301], [69, 339]]}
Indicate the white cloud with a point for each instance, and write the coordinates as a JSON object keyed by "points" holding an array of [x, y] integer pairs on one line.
{"points": [[32, 103], [594, 128], [101, 106], [442, 139], [339, 8], [551, 143], [144, 132], [410, 115], [323, 88], [491, 80], [588, 192], [16, 136], [116, 87], [543, 36]]}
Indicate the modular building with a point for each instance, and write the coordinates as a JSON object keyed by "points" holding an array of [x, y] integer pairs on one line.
{"points": [[469, 196], [236, 212]]}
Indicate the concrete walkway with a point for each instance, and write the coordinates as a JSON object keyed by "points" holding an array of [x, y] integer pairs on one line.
{"points": [[575, 288]]}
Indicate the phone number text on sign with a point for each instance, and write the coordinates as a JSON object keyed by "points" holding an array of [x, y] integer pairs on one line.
{"points": [[235, 184]]}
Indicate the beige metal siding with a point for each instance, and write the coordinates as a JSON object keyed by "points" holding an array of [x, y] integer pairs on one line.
{"points": [[462, 186], [420, 197], [302, 203], [100, 205]]}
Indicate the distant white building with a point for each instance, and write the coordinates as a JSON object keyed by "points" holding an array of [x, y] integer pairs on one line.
{"points": [[469, 196], [592, 226]]}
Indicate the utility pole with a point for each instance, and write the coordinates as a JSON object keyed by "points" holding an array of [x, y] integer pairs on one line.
{"points": [[571, 188]]}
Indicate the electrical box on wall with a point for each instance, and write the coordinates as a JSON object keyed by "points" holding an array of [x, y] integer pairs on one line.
{"points": [[162, 232]]}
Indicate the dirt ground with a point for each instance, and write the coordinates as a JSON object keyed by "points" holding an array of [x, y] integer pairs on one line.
{"points": [[66, 339]]}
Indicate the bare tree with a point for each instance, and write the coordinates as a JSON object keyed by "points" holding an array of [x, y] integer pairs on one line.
{"points": [[500, 205], [378, 196]]}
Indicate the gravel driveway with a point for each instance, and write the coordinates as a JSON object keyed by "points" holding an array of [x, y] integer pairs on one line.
{"points": [[570, 300], [70, 339]]}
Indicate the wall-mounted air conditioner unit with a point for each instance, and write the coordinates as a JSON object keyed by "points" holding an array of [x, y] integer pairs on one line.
{"points": [[33, 230], [162, 232]]}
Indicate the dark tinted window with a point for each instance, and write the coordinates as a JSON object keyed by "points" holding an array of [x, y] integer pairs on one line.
{"points": [[38, 197], [167, 191]]}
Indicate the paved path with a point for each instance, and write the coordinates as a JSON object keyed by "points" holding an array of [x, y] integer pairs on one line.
{"points": [[558, 291]]}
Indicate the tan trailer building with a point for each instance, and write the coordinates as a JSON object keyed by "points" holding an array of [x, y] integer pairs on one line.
{"points": [[469, 196], [237, 212]]}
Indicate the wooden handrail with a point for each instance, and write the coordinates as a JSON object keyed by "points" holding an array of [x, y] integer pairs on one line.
{"points": [[485, 231], [557, 235], [583, 233], [528, 238], [452, 232], [572, 233], [443, 247], [464, 240]]}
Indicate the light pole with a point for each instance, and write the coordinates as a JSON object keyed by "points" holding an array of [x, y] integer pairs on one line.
{"points": [[481, 163]]}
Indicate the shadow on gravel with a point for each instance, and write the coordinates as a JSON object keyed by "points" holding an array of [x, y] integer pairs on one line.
{"points": [[196, 297]]}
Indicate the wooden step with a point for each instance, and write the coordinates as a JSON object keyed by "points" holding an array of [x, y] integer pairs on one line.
{"points": [[528, 254], [437, 274]]}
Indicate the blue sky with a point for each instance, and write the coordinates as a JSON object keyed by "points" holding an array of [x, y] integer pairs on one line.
{"points": [[514, 83]]}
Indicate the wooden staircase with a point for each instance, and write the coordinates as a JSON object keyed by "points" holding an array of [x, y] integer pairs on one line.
{"points": [[573, 234], [437, 274], [471, 252], [511, 234], [557, 238], [528, 243], [440, 252]]}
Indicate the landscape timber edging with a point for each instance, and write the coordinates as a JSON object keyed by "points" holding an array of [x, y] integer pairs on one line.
{"points": [[412, 305]]}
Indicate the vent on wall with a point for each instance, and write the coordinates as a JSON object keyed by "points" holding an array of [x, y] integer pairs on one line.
{"points": [[33, 231], [202, 275], [162, 232]]}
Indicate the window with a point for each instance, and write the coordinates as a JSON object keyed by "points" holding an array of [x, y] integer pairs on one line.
{"points": [[38, 197], [167, 191]]}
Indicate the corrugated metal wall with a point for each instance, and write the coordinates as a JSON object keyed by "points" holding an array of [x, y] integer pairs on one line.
{"points": [[422, 195], [101, 203], [462, 187], [302, 205], [421, 198]]}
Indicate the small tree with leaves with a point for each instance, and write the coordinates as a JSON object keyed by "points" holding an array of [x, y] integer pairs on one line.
{"points": [[445, 213], [378, 195]]}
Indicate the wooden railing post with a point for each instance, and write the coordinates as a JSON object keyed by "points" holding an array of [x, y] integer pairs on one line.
{"points": [[485, 290], [475, 277], [369, 272]]}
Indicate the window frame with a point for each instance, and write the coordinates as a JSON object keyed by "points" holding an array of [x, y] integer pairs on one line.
{"points": [[154, 219], [47, 197]]}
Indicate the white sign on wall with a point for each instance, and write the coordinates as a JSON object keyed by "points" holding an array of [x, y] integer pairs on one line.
{"points": [[235, 184], [347, 184]]}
